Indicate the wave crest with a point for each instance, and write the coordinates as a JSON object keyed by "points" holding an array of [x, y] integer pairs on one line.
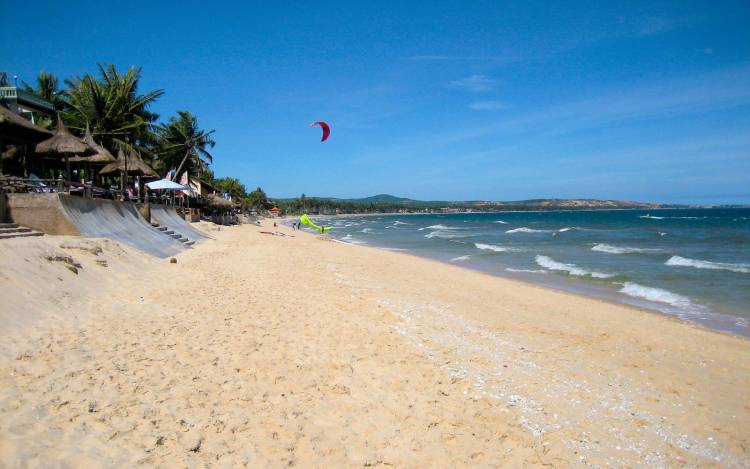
{"points": [[492, 247], [656, 294], [678, 261], [608, 248], [572, 269]]}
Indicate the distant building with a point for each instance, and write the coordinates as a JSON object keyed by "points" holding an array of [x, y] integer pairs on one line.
{"points": [[26, 104], [274, 212], [201, 187]]}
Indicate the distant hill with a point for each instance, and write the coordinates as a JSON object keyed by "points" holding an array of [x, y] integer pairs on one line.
{"points": [[501, 205], [390, 203]]}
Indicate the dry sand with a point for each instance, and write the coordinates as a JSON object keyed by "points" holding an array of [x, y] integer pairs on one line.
{"points": [[294, 351]]}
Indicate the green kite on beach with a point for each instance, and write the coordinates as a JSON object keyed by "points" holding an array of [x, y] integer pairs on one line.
{"points": [[305, 220]]}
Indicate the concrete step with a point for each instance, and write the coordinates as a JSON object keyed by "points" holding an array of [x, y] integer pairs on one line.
{"points": [[17, 229], [168, 232], [8, 225], [182, 239], [176, 235], [162, 228], [189, 243], [154, 224], [20, 235]]}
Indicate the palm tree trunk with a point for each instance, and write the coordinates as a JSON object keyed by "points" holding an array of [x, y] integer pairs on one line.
{"points": [[182, 163]]}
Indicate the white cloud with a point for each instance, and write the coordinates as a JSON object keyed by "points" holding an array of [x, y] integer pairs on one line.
{"points": [[487, 105], [476, 83]]}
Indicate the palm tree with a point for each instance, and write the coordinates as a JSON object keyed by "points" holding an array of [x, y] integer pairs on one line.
{"points": [[47, 87], [184, 145], [117, 114]]}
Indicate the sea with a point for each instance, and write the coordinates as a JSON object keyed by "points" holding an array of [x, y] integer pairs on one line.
{"points": [[693, 264]]}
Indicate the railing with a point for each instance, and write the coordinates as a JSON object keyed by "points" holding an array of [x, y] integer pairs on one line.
{"points": [[12, 92], [24, 185]]}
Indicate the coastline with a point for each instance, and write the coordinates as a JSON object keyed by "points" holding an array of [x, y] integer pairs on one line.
{"points": [[567, 286], [709, 317], [274, 350]]}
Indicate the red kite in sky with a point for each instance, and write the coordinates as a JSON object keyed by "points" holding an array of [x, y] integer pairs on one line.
{"points": [[325, 127]]}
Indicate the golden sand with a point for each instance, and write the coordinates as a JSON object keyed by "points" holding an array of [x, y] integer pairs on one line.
{"points": [[278, 351]]}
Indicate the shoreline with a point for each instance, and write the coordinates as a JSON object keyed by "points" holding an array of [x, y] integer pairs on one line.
{"points": [[583, 291], [279, 350]]}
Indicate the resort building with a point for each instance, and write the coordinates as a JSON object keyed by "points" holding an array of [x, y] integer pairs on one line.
{"points": [[26, 104], [274, 212]]}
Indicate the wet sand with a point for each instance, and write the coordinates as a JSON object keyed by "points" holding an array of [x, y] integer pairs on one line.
{"points": [[273, 351]]}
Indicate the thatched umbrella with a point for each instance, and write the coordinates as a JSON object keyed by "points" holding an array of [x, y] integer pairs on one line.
{"points": [[63, 144], [102, 156], [16, 129], [130, 163]]}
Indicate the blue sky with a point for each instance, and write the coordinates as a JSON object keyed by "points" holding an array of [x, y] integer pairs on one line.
{"points": [[434, 100]]}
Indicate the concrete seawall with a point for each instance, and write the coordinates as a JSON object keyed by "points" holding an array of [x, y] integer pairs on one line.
{"points": [[61, 214]]}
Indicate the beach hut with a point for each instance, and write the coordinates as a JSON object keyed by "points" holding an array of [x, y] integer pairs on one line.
{"points": [[274, 212], [16, 133], [101, 156], [129, 163], [63, 144], [14, 129]]}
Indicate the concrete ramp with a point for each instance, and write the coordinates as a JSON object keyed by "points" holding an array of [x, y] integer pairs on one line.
{"points": [[120, 221], [167, 216]]}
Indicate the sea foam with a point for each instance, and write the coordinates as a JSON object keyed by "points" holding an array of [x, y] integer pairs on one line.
{"points": [[699, 264], [657, 294], [460, 258], [608, 248], [572, 269], [492, 247], [523, 229], [447, 234]]}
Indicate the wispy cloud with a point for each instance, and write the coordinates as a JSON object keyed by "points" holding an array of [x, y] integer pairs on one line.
{"points": [[476, 83], [653, 25], [487, 105], [668, 99]]}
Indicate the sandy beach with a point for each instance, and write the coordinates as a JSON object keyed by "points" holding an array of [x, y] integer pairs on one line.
{"points": [[277, 351]]}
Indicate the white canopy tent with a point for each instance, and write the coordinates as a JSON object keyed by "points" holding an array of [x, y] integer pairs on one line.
{"points": [[167, 185]]}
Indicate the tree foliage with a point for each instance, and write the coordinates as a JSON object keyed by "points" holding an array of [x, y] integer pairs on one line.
{"points": [[112, 106], [183, 145]]}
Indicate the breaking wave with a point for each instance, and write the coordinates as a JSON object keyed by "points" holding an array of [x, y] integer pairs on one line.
{"points": [[532, 271], [608, 248], [492, 247], [657, 295], [460, 258], [572, 269], [524, 229], [699, 264], [447, 234], [528, 230], [501, 222]]}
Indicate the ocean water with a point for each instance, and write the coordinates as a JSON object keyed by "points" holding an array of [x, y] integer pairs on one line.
{"points": [[690, 263]]}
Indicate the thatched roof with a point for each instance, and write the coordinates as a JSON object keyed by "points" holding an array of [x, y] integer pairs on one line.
{"points": [[218, 202], [102, 155], [135, 165], [16, 129], [63, 144]]}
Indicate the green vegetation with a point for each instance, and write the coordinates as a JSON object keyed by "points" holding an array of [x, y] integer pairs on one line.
{"points": [[111, 104], [183, 145], [384, 203]]}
